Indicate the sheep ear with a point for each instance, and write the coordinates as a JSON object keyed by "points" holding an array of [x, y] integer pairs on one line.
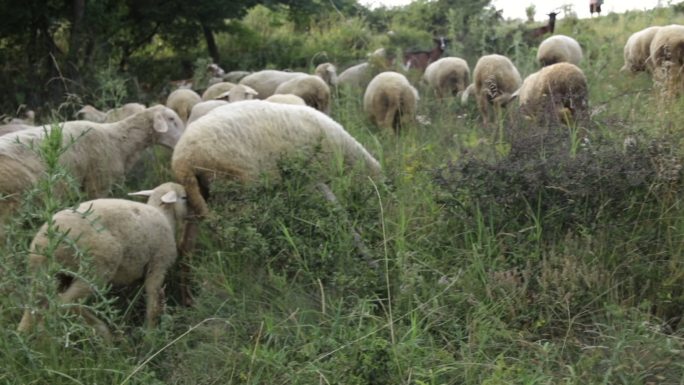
{"points": [[252, 92], [224, 95], [144, 193], [159, 123], [170, 197]]}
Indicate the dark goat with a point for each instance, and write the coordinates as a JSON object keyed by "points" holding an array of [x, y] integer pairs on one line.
{"points": [[420, 59], [543, 30]]}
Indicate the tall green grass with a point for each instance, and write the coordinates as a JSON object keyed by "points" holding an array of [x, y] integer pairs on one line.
{"points": [[532, 262]]}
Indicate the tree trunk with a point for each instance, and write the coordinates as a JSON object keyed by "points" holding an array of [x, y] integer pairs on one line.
{"points": [[211, 43], [74, 57]]}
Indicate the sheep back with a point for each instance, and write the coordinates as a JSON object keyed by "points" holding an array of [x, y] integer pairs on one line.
{"points": [[561, 88], [447, 76], [637, 51], [217, 89], [390, 101], [495, 78], [244, 140], [559, 48], [182, 101], [312, 89], [265, 82], [667, 55]]}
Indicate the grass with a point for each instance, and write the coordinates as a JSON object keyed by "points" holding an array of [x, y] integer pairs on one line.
{"points": [[554, 262]]}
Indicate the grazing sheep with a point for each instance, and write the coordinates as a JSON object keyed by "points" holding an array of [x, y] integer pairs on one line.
{"points": [[202, 108], [637, 51], [182, 101], [311, 88], [123, 241], [559, 89], [92, 114], [361, 74], [328, 73], [28, 118], [235, 76], [448, 76], [100, 155], [559, 48], [13, 127], [495, 78], [265, 82], [243, 140], [667, 55], [390, 100], [286, 99], [237, 93], [217, 89]]}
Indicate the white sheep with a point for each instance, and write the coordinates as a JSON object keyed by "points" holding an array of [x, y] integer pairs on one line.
{"points": [[637, 51], [495, 78], [265, 82], [99, 157], [360, 75], [28, 118], [390, 101], [327, 72], [123, 242], [667, 56], [92, 114], [286, 99], [238, 93], [182, 101], [202, 108], [217, 89], [559, 48], [13, 127], [559, 90], [235, 76], [448, 76], [311, 88], [243, 140]]}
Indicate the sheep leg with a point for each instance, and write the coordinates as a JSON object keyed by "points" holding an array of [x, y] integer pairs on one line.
{"points": [[154, 293], [187, 245], [77, 290]]}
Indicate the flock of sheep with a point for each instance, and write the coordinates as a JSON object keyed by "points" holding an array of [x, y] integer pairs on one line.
{"points": [[227, 133]]}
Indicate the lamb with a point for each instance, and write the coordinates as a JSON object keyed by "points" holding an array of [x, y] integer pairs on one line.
{"points": [[124, 241], [390, 100], [202, 108], [495, 78], [447, 76], [559, 48], [243, 140], [265, 82], [311, 88], [637, 51], [182, 101], [92, 114], [667, 56], [560, 88], [217, 89], [328, 73], [286, 99], [100, 155]]}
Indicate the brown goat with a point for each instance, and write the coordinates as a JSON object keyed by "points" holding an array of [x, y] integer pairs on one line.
{"points": [[420, 59], [543, 30]]}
